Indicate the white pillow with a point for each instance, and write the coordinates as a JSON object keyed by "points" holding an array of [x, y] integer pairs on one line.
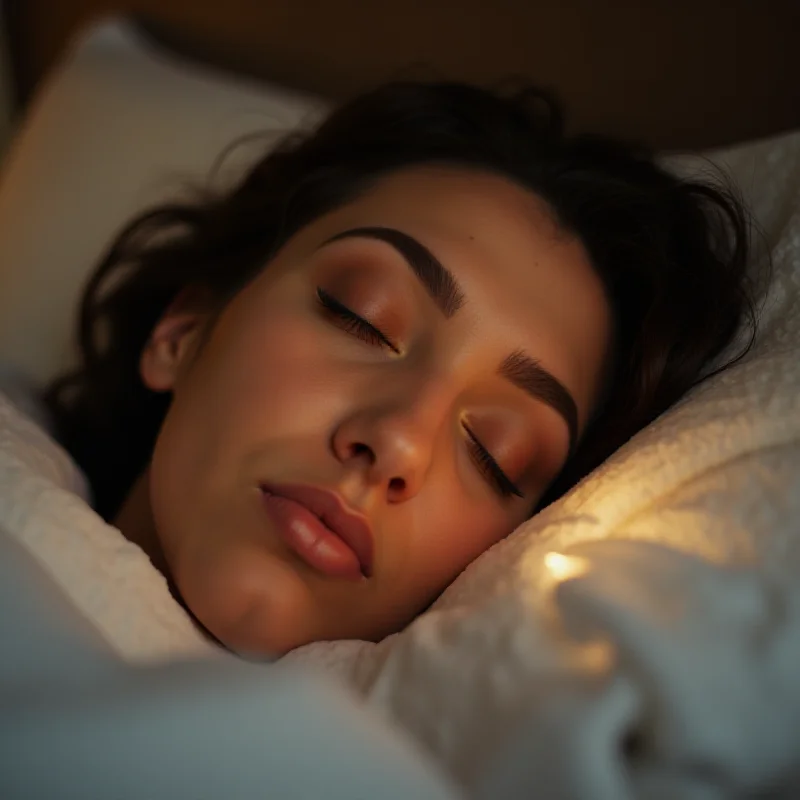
{"points": [[118, 126]]}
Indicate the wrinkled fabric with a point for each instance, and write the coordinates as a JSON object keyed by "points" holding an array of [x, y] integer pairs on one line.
{"points": [[76, 722]]}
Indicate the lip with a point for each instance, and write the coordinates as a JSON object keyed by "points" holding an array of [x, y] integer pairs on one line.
{"points": [[317, 524]]}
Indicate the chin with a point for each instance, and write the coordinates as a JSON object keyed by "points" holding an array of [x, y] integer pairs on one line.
{"points": [[247, 638], [253, 609], [258, 630]]}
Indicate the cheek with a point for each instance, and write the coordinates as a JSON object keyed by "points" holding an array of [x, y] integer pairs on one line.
{"points": [[262, 374], [275, 372], [260, 377], [451, 531]]}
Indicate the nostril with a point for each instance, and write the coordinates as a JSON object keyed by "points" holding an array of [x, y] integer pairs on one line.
{"points": [[397, 485], [359, 449]]}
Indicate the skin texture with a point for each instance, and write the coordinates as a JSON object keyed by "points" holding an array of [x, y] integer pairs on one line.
{"points": [[275, 388]]}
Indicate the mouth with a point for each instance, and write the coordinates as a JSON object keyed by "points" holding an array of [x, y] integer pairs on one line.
{"points": [[319, 527]]}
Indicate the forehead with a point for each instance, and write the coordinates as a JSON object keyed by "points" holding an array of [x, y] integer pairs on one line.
{"points": [[527, 282]]}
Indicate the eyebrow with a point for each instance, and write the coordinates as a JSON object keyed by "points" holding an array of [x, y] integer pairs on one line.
{"points": [[530, 376], [520, 369], [438, 281]]}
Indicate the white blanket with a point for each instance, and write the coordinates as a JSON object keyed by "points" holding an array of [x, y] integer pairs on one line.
{"points": [[640, 638], [78, 724]]}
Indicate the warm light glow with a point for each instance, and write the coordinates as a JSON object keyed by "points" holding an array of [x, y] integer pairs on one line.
{"points": [[563, 567]]}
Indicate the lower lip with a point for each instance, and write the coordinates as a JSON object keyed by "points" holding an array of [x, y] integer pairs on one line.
{"points": [[311, 539]]}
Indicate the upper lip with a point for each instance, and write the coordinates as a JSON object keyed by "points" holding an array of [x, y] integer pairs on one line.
{"points": [[351, 527]]}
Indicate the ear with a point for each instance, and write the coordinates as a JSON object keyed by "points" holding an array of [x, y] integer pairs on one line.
{"points": [[173, 344]]}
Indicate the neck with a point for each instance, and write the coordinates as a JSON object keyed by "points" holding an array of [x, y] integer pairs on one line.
{"points": [[135, 522]]}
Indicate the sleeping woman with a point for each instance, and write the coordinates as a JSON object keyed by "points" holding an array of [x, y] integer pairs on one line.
{"points": [[314, 399]]}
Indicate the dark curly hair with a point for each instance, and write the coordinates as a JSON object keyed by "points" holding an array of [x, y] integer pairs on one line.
{"points": [[672, 254]]}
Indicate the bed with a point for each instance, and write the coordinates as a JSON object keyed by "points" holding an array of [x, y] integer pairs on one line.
{"points": [[639, 638]]}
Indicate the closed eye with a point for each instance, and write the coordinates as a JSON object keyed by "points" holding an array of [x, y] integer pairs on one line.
{"points": [[490, 468], [352, 323]]}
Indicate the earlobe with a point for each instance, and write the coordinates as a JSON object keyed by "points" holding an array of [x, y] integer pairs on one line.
{"points": [[168, 350]]}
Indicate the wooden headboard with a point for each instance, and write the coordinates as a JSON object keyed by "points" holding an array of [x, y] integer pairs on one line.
{"points": [[676, 73]]}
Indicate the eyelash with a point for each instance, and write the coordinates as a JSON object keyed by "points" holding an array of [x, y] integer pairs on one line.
{"points": [[352, 323], [490, 468]]}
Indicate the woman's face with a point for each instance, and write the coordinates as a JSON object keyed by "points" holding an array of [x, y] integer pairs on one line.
{"points": [[385, 401]]}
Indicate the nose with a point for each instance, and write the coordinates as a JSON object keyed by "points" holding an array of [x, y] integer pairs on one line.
{"points": [[392, 443]]}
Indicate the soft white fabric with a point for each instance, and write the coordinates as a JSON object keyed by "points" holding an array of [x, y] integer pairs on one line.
{"points": [[77, 723], [111, 581], [119, 125]]}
